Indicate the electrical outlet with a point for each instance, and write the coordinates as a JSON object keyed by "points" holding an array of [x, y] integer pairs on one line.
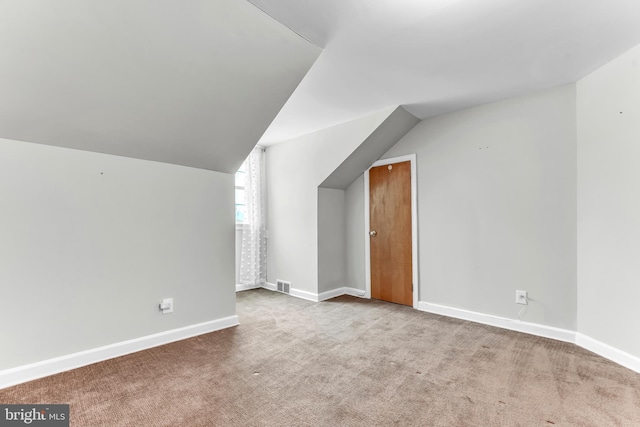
{"points": [[521, 297], [166, 306]]}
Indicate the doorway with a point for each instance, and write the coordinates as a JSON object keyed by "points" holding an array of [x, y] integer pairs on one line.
{"points": [[391, 231]]}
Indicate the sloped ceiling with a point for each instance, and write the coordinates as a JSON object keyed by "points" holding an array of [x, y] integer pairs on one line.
{"points": [[194, 83], [438, 56], [390, 131]]}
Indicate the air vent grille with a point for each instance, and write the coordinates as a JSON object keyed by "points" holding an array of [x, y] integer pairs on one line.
{"points": [[283, 286]]}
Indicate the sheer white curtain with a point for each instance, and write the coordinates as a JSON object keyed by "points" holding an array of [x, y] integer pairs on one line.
{"points": [[253, 257]]}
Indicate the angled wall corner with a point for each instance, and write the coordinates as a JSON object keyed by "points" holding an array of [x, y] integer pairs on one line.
{"points": [[608, 209], [336, 237], [295, 169], [394, 127]]}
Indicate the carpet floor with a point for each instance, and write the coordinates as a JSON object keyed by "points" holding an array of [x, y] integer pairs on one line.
{"points": [[346, 362]]}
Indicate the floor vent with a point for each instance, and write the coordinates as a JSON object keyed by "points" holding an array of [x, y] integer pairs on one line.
{"points": [[283, 286]]}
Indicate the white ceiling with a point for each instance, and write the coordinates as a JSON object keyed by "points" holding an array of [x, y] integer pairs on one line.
{"points": [[194, 83], [437, 56], [198, 82]]}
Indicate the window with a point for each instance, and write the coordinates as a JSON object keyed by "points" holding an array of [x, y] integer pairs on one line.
{"points": [[251, 220], [241, 196]]}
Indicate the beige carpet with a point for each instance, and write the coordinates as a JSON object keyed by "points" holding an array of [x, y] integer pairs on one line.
{"points": [[346, 362]]}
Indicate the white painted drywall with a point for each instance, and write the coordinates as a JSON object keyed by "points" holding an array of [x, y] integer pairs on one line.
{"points": [[354, 238], [295, 169], [397, 125], [609, 203], [90, 244], [497, 206], [331, 239]]}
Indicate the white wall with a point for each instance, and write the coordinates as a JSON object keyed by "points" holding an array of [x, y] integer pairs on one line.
{"points": [[394, 127], [609, 203], [295, 169], [331, 239], [497, 207], [354, 238], [90, 244]]}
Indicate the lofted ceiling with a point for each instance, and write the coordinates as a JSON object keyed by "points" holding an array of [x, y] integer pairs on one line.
{"points": [[438, 56], [194, 82], [198, 82]]}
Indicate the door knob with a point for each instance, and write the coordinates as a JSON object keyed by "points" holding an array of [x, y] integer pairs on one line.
{"points": [[373, 233]]}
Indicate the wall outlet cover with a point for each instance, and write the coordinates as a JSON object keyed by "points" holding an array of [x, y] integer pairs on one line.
{"points": [[166, 306]]}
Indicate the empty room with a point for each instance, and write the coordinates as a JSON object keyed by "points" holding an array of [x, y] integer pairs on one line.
{"points": [[319, 213]]}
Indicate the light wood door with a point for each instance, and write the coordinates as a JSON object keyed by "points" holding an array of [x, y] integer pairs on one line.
{"points": [[390, 233]]}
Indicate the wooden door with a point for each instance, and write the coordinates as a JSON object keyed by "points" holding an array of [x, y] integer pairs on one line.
{"points": [[390, 233]]}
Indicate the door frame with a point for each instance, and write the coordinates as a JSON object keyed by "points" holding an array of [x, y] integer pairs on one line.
{"points": [[414, 225]]}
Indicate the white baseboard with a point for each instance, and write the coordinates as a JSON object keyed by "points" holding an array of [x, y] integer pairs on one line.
{"points": [[240, 288], [340, 291], [622, 358], [500, 322], [21, 374], [323, 296], [294, 292], [605, 350], [354, 292], [309, 296]]}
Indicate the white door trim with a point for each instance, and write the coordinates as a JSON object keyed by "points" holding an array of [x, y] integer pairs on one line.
{"points": [[414, 225]]}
